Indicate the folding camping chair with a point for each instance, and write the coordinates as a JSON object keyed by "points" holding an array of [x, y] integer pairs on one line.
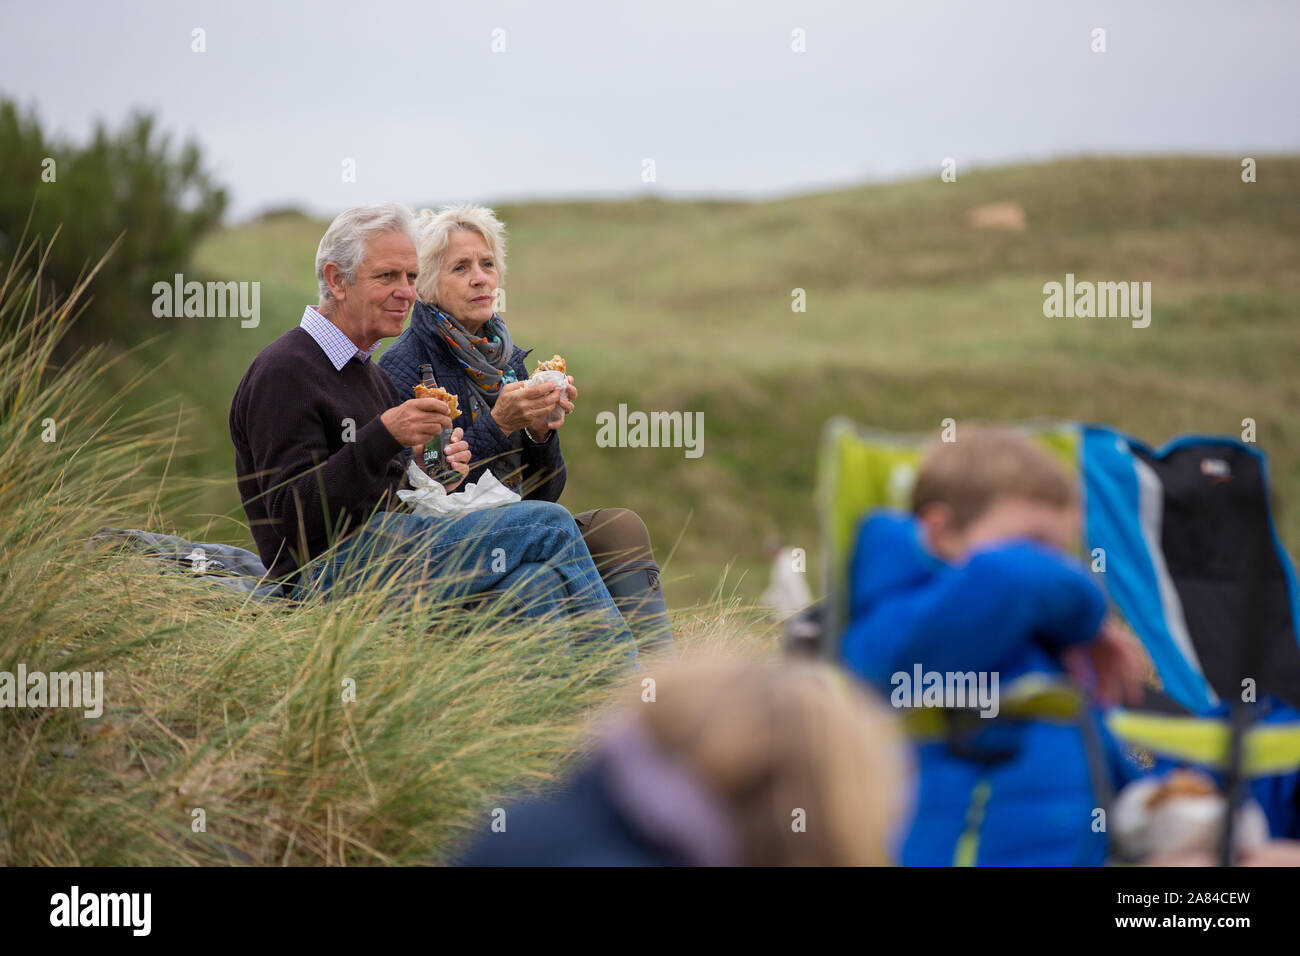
{"points": [[1191, 561]]}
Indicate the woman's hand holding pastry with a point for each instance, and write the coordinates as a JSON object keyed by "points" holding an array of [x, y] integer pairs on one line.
{"points": [[553, 418], [522, 403]]}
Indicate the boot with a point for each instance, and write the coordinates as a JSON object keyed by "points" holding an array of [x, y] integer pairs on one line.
{"points": [[635, 589]]}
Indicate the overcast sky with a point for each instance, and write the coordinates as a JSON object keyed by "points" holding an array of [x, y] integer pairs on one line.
{"points": [[713, 93]]}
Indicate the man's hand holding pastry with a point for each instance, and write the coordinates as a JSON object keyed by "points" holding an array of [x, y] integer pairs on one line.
{"points": [[417, 420]]}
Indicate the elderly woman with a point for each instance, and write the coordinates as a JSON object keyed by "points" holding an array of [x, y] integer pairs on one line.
{"points": [[506, 418]]}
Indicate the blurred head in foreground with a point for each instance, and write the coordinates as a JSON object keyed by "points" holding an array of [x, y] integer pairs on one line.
{"points": [[723, 762], [992, 485]]}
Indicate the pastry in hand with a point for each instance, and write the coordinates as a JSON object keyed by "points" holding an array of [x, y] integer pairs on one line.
{"points": [[554, 364], [423, 391], [1177, 814]]}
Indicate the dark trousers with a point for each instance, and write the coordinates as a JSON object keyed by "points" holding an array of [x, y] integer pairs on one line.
{"points": [[620, 547]]}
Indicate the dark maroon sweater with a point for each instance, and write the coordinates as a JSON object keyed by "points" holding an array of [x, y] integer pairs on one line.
{"points": [[303, 485]]}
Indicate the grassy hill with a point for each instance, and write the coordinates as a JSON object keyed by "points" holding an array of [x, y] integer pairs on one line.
{"points": [[912, 316], [233, 708]]}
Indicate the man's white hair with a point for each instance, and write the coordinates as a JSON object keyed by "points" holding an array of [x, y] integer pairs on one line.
{"points": [[344, 242], [434, 235]]}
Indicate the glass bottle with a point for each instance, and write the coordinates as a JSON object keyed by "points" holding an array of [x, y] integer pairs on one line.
{"points": [[435, 458]]}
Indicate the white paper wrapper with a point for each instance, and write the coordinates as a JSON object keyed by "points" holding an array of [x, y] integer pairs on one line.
{"points": [[1181, 824], [554, 379], [430, 499]]}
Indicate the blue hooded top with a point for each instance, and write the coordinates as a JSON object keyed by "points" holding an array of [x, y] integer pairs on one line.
{"points": [[1008, 609]]}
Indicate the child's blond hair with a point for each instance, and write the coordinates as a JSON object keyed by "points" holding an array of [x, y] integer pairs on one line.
{"points": [[986, 464], [777, 740]]}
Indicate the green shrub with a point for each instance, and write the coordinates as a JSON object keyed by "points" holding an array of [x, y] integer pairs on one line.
{"points": [[130, 183]]}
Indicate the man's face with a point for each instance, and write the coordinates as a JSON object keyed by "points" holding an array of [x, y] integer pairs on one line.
{"points": [[468, 279], [1005, 519], [375, 306]]}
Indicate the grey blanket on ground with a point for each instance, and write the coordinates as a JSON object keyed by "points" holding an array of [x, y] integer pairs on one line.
{"points": [[221, 564]]}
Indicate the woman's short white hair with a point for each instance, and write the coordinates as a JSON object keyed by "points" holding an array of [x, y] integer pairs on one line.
{"points": [[344, 242], [434, 231]]}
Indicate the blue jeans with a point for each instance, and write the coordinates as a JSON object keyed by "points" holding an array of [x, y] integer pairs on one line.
{"points": [[529, 554]]}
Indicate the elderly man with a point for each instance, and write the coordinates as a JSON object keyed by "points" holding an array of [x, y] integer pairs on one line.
{"points": [[322, 439]]}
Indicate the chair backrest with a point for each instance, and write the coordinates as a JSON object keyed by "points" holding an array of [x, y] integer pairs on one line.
{"points": [[1194, 564]]}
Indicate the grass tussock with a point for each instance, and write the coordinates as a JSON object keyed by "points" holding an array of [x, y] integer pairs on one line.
{"points": [[229, 732]]}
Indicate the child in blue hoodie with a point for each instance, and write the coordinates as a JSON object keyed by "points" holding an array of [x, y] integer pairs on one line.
{"points": [[978, 582]]}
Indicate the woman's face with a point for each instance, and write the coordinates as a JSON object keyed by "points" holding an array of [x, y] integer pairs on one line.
{"points": [[468, 279]]}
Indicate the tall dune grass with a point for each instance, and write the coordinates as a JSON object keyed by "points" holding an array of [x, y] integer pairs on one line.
{"points": [[225, 710]]}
